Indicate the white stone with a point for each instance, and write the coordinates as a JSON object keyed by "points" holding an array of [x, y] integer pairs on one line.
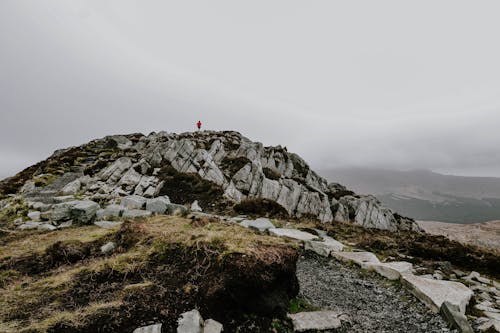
{"points": [[108, 224], [391, 270], [157, 205], [434, 292], [156, 328], [292, 233], [212, 326], [135, 213], [110, 211], [190, 322], [34, 216], [260, 224], [108, 248], [133, 202], [72, 187], [363, 259], [195, 207], [316, 320], [29, 225]]}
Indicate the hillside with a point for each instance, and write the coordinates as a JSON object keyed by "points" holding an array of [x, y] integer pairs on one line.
{"points": [[199, 232], [426, 195]]}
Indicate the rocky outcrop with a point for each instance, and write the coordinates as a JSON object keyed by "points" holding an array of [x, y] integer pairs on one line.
{"points": [[219, 166]]}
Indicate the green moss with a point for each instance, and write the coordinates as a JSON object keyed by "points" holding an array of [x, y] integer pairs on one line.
{"points": [[300, 305], [17, 208]]}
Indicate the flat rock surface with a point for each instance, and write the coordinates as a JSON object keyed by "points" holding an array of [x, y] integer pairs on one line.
{"points": [[372, 303], [292, 233], [315, 320]]}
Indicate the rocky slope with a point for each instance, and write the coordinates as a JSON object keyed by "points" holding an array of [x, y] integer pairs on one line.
{"points": [[218, 169]]}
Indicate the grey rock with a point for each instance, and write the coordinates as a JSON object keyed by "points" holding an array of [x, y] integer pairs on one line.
{"points": [[72, 187], [29, 225], [133, 202], [34, 216], [47, 226], [325, 247], [66, 224], [84, 212], [175, 209], [108, 248], [190, 322], [456, 319], [261, 224], [158, 205], [156, 328], [315, 320], [110, 211], [212, 326], [292, 233], [135, 213], [108, 224], [195, 207]]}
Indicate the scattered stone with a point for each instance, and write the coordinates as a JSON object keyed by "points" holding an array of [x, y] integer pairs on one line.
{"points": [[435, 292], [190, 322], [490, 326], [156, 328], [34, 216], [39, 206], [108, 248], [261, 224], [72, 188], [108, 224], [157, 205], [177, 210], [84, 212], [110, 211], [325, 247], [133, 202], [456, 319], [195, 207], [136, 213], [292, 233], [391, 270], [316, 320], [66, 224], [212, 326], [363, 259], [47, 226], [29, 225]]}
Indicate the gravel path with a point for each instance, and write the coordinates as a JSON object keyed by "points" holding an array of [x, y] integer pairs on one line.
{"points": [[372, 303]]}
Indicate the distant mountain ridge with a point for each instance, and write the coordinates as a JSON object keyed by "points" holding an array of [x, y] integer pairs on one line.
{"points": [[426, 195]]}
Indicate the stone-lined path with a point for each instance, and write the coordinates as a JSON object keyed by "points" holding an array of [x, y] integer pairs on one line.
{"points": [[372, 303]]}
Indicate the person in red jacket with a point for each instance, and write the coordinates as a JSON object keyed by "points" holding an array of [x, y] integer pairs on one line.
{"points": [[198, 124]]}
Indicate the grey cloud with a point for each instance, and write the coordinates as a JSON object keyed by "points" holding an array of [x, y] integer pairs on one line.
{"points": [[370, 84]]}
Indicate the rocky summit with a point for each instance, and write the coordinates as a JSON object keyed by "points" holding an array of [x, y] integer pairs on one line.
{"points": [[209, 167]]}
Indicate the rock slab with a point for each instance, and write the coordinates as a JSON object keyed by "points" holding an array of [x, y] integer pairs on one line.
{"points": [[316, 320], [149, 329], [190, 322], [292, 233]]}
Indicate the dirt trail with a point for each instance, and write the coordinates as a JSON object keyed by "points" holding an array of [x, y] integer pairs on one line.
{"points": [[372, 303]]}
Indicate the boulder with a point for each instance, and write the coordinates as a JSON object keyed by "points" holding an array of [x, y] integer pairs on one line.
{"points": [[363, 259], [212, 326], [190, 322], [135, 213], [195, 207], [110, 211], [108, 224], [72, 187], [156, 328], [175, 209], [324, 247], [292, 233], [390, 270], [261, 224], [315, 321], [29, 225], [133, 202], [435, 292], [34, 216], [108, 248], [157, 205], [113, 172], [84, 212], [451, 313]]}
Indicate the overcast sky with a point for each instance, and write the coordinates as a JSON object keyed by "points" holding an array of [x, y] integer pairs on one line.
{"points": [[389, 84]]}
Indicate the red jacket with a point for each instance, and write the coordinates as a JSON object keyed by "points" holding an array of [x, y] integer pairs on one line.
{"points": [[198, 124]]}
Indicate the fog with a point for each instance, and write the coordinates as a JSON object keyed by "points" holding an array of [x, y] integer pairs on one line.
{"points": [[385, 84]]}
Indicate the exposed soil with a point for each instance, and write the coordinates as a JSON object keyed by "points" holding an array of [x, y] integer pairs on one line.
{"points": [[372, 303]]}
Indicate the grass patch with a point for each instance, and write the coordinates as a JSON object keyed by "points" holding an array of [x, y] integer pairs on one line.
{"points": [[300, 305]]}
